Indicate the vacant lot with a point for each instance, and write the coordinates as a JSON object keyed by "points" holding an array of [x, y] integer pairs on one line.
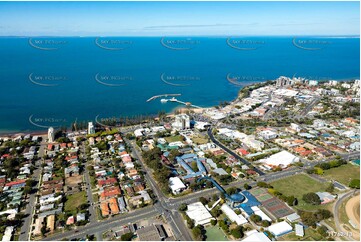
{"points": [[74, 201], [343, 173], [297, 186], [174, 138], [200, 140], [73, 180]]}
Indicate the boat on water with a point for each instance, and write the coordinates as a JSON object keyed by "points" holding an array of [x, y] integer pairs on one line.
{"points": [[163, 100]]}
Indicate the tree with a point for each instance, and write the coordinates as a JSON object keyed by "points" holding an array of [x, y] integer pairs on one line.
{"points": [[355, 183], [263, 184], [127, 236], [330, 188], [312, 198], [190, 222], [265, 223], [203, 200], [43, 230], [237, 232], [182, 207], [213, 222], [199, 232], [256, 218], [290, 200], [246, 186]]}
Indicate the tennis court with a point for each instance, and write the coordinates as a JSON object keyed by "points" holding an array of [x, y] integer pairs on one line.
{"points": [[261, 194]]}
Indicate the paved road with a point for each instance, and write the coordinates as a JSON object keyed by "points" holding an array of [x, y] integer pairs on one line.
{"points": [[25, 232], [214, 140], [169, 206], [180, 231], [92, 213], [108, 224], [308, 108], [336, 209]]}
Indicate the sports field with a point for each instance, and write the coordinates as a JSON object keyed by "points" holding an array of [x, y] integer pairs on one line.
{"points": [[215, 233], [298, 185]]}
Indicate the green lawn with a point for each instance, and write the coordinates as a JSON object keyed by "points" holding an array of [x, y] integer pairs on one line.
{"points": [[200, 140], [297, 186], [343, 173], [310, 235], [74, 201], [174, 138], [215, 233]]}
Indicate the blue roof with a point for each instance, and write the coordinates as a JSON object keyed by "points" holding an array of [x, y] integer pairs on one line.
{"points": [[192, 175], [237, 197], [252, 201], [184, 165], [188, 156], [200, 166], [247, 209]]}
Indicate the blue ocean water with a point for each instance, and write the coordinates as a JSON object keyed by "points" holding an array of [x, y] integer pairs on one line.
{"points": [[54, 81]]}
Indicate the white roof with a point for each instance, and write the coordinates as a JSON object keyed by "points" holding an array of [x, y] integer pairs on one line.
{"points": [[239, 219], [293, 217], [283, 159], [8, 233], [260, 213], [299, 230], [199, 213], [175, 183], [280, 228], [255, 236]]}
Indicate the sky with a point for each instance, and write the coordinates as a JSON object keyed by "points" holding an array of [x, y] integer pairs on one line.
{"points": [[178, 18]]}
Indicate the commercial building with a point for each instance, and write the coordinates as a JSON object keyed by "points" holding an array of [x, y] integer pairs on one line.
{"points": [[281, 159], [237, 218], [279, 229], [176, 185], [51, 135], [199, 213], [91, 128], [255, 236], [182, 121]]}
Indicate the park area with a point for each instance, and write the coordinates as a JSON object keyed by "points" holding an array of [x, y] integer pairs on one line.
{"points": [[74, 201], [343, 174], [297, 186], [215, 233]]}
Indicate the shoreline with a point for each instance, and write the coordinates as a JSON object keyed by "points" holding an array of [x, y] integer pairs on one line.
{"points": [[172, 112]]}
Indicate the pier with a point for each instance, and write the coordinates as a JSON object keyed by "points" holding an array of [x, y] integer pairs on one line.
{"points": [[162, 95], [173, 99]]}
